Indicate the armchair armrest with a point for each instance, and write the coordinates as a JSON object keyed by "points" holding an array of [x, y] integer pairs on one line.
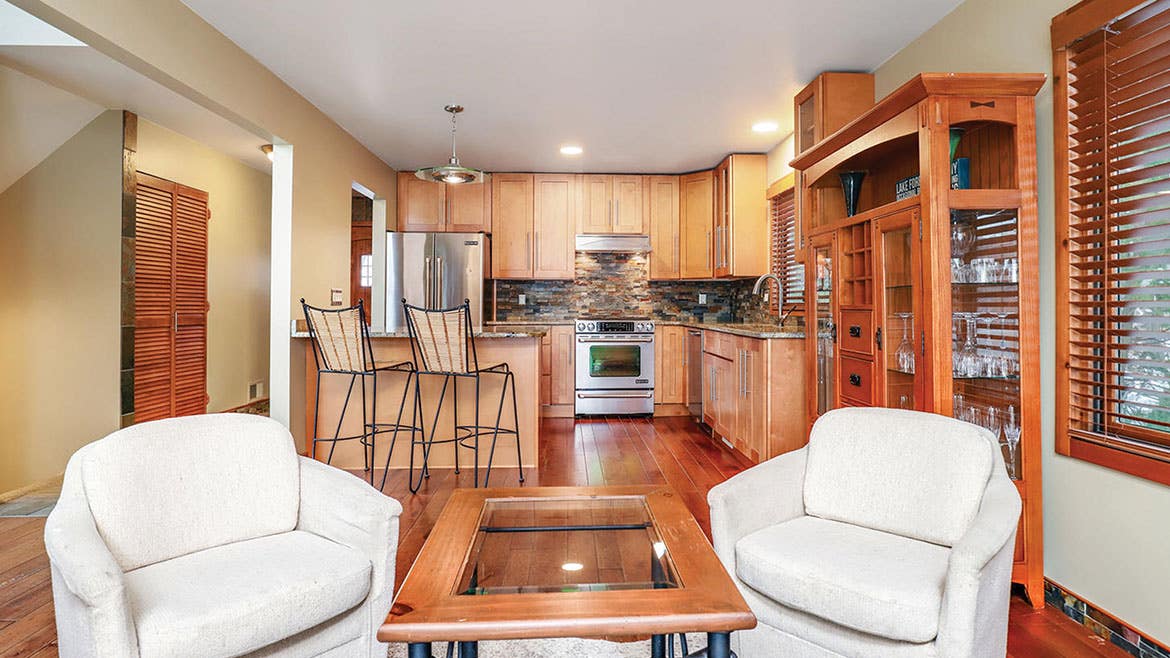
{"points": [[343, 508], [978, 582], [764, 495], [92, 610]]}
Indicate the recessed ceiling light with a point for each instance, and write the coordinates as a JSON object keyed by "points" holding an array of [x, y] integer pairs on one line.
{"points": [[572, 566], [571, 150], [765, 127]]}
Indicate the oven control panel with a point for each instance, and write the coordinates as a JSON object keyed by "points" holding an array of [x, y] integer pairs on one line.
{"points": [[615, 326]]}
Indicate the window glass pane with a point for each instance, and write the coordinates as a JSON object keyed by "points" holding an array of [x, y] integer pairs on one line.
{"points": [[366, 271]]}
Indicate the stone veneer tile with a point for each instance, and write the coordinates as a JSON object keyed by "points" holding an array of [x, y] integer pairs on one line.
{"points": [[1102, 624]]}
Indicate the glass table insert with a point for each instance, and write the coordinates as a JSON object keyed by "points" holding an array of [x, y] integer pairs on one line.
{"points": [[529, 545]]}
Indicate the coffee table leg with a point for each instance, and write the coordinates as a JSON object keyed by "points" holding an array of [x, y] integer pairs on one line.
{"points": [[719, 645], [657, 646], [468, 649], [418, 650]]}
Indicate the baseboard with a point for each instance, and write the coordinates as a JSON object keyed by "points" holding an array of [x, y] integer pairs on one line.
{"points": [[1103, 624], [668, 410], [54, 481], [257, 406], [556, 411]]}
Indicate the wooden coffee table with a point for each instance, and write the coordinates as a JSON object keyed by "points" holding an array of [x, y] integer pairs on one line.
{"points": [[540, 562]]}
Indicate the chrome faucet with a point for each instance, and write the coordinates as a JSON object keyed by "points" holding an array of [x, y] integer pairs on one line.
{"points": [[760, 284]]}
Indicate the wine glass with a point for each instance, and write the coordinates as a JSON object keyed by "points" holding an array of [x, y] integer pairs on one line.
{"points": [[962, 238], [968, 363], [1011, 435], [905, 351]]}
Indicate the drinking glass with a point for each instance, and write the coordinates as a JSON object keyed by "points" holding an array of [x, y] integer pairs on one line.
{"points": [[1011, 435], [969, 364], [962, 238], [905, 351]]}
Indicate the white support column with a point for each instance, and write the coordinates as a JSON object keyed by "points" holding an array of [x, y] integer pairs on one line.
{"points": [[378, 292], [280, 292]]}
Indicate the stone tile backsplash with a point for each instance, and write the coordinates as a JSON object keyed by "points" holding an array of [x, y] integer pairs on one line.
{"points": [[620, 285]]}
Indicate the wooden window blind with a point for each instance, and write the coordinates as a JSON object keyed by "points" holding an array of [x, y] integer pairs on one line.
{"points": [[791, 273], [170, 297], [1112, 65]]}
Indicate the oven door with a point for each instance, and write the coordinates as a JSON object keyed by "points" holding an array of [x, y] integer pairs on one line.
{"points": [[615, 362]]}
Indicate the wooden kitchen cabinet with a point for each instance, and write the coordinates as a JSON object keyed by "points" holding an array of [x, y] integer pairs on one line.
{"points": [[740, 223], [829, 102], [554, 214], [431, 207], [719, 395], [611, 204], [696, 216], [562, 374], [661, 202], [669, 365], [751, 402], [512, 221]]}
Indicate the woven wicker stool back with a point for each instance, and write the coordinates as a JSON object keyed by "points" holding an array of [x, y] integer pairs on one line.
{"points": [[340, 338], [441, 338]]}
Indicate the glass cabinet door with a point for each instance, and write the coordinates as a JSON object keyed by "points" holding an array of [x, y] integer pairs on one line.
{"points": [[985, 322], [822, 273], [901, 343]]}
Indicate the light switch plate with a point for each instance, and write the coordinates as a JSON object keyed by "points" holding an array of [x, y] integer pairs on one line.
{"points": [[335, 297], [522, 299], [702, 298]]}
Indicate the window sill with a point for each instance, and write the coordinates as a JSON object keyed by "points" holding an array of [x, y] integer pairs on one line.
{"points": [[1116, 458]]}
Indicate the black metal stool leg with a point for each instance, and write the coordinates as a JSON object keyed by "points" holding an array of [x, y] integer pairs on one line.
{"points": [[718, 645], [516, 424], [657, 646], [366, 457], [397, 424], [340, 419], [455, 419], [316, 414], [418, 650], [468, 649], [682, 641], [414, 429]]}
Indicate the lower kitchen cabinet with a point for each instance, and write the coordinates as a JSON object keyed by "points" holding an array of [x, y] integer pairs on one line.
{"points": [[557, 377], [670, 365], [752, 393]]}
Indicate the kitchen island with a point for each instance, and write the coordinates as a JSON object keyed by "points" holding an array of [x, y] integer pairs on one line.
{"points": [[516, 345]]}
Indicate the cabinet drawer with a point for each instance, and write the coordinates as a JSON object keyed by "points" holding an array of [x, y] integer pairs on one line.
{"points": [[719, 344], [857, 380], [856, 331]]}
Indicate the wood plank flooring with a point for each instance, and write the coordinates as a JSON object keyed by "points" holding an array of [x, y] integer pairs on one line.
{"points": [[587, 452]]}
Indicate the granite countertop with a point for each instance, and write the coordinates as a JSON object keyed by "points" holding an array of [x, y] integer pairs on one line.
{"points": [[756, 330], [511, 331]]}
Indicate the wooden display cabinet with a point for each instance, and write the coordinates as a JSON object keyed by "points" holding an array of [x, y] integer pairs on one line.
{"points": [[931, 301]]}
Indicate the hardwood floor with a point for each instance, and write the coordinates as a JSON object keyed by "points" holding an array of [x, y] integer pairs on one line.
{"points": [[587, 452]]}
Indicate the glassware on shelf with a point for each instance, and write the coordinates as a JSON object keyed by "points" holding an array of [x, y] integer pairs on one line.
{"points": [[969, 363], [962, 238], [1002, 363], [905, 351], [1011, 435]]}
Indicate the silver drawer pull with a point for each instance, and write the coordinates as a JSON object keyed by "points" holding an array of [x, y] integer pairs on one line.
{"points": [[634, 396]]}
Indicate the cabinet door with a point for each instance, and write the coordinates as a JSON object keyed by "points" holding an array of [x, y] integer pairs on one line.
{"points": [[900, 365], [512, 224], [696, 205], [422, 205], [563, 382], [555, 210], [747, 236], [721, 218], [821, 301], [710, 388], [627, 205], [662, 213], [725, 383], [669, 369], [469, 208], [596, 204], [752, 402]]}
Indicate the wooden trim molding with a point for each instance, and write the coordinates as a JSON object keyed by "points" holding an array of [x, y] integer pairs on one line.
{"points": [[1087, 16], [782, 185]]}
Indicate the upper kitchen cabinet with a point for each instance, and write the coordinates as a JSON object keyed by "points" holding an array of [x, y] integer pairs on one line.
{"points": [[696, 200], [512, 250], [829, 102], [661, 202], [554, 211], [740, 228], [611, 204], [427, 206]]}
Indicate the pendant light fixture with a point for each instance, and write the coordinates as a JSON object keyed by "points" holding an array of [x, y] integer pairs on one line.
{"points": [[452, 172]]}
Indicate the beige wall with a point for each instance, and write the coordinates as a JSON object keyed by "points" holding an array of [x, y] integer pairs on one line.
{"points": [[59, 324], [779, 157], [240, 198], [1105, 533]]}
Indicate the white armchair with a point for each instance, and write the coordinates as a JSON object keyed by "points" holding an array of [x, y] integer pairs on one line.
{"points": [[208, 536], [890, 534]]}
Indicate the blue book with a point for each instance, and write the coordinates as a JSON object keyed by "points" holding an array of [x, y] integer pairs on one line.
{"points": [[960, 180]]}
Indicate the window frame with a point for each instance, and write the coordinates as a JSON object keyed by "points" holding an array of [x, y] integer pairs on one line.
{"points": [[1141, 452]]}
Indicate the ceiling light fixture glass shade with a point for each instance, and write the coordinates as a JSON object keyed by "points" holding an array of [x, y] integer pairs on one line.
{"points": [[452, 173]]}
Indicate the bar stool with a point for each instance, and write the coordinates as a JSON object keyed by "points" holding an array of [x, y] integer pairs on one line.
{"points": [[341, 346], [442, 345]]}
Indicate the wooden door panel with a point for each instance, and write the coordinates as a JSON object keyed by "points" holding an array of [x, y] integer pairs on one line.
{"points": [[554, 213], [512, 226], [627, 205], [563, 375], [596, 204], [662, 212], [190, 301], [696, 223], [422, 205], [469, 208]]}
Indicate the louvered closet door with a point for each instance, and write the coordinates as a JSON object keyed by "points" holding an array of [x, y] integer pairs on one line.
{"points": [[170, 343]]}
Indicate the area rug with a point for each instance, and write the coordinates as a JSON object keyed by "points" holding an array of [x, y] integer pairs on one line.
{"points": [[560, 648]]}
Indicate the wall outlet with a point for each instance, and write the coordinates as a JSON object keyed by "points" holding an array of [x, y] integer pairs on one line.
{"points": [[255, 390], [522, 299], [336, 297], [702, 298]]}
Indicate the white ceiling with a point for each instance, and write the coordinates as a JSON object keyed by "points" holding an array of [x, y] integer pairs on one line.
{"points": [[656, 85]]}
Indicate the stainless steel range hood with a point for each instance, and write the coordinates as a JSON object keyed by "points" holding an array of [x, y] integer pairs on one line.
{"points": [[614, 243]]}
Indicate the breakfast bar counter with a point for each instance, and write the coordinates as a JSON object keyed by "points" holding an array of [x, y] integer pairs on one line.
{"points": [[518, 346]]}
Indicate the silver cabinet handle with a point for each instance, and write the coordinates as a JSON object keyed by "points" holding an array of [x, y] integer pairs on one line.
{"points": [[528, 248], [428, 292], [636, 396], [708, 245], [438, 282], [617, 213], [536, 248], [609, 211]]}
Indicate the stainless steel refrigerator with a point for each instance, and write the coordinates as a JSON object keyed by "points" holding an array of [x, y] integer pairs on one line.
{"points": [[433, 270]]}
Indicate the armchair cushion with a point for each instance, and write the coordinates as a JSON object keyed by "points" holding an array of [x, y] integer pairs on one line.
{"points": [[223, 478], [904, 472], [236, 598], [868, 580]]}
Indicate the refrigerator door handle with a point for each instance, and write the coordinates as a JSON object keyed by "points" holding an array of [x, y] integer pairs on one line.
{"points": [[438, 282], [428, 292]]}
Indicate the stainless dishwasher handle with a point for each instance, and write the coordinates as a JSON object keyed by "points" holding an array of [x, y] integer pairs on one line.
{"points": [[636, 396]]}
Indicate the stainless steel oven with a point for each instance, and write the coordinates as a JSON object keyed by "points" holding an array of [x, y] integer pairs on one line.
{"points": [[615, 366]]}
